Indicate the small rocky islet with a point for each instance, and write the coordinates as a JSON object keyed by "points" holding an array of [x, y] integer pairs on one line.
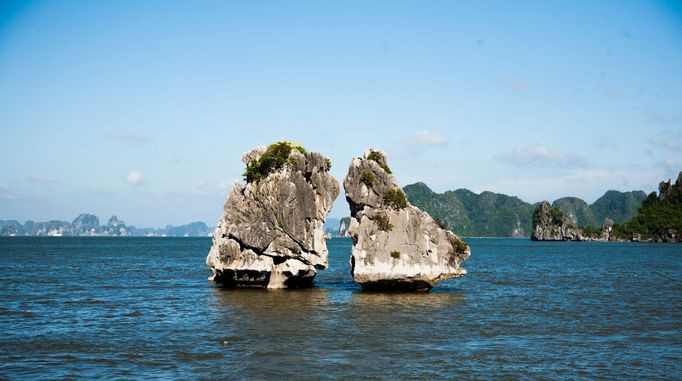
{"points": [[271, 231]]}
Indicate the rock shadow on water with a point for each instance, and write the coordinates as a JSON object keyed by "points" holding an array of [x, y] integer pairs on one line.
{"points": [[437, 299], [269, 301]]}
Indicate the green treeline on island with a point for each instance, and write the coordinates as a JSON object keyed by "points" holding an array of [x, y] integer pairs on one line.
{"points": [[491, 214], [659, 219]]}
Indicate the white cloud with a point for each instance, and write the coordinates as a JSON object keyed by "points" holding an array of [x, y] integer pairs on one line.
{"points": [[541, 156], [586, 184], [179, 159], [672, 165], [125, 136], [612, 91], [664, 119], [425, 137], [99, 190], [225, 185], [669, 139], [41, 179], [134, 177], [5, 192], [518, 84], [212, 189]]}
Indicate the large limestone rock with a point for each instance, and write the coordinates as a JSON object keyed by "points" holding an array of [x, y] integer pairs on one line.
{"points": [[271, 232], [396, 246]]}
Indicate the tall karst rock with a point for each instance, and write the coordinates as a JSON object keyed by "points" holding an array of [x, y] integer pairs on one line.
{"points": [[396, 246], [271, 232]]}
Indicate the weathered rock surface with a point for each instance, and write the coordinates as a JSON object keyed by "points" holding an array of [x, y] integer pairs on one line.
{"points": [[271, 232], [396, 246]]}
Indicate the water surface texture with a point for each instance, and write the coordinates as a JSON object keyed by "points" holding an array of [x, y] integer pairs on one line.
{"points": [[112, 308]]}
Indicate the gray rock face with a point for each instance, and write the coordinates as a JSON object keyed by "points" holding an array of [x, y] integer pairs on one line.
{"points": [[271, 232], [396, 246]]}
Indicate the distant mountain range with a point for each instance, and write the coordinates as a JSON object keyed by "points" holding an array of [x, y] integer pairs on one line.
{"points": [[464, 212], [491, 214], [88, 225]]}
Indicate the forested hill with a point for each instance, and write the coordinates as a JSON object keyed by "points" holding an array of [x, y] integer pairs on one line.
{"points": [[660, 217], [491, 214]]}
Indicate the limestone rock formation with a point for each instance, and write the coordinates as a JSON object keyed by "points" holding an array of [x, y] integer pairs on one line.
{"points": [[343, 227], [271, 232], [550, 224], [606, 230], [396, 246]]}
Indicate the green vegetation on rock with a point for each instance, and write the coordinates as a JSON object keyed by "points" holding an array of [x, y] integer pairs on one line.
{"points": [[395, 254], [659, 218], [618, 206], [383, 222], [577, 210], [469, 214], [274, 158], [367, 178], [458, 245], [380, 159], [491, 214], [590, 231], [395, 198]]}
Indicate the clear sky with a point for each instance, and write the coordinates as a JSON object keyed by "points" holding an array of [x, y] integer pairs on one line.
{"points": [[143, 108]]}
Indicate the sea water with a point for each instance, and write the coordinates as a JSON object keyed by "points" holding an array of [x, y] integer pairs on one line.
{"points": [[121, 308]]}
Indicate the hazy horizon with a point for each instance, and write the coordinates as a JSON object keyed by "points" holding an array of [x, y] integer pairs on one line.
{"points": [[143, 110], [338, 208]]}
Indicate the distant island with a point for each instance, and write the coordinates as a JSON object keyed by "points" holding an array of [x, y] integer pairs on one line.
{"points": [[491, 214], [88, 225], [659, 219]]}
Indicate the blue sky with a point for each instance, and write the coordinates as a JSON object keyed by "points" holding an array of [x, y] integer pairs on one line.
{"points": [[143, 108]]}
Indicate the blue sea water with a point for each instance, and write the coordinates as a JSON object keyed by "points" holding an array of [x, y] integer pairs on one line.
{"points": [[121, 308]]}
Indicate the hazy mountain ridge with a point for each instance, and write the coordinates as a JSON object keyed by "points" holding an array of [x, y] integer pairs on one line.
{"points": [[490, 214], [88, 225]]}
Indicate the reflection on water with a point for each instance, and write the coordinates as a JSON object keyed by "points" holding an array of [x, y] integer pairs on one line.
{"points": [[525, 310], [405, 301]]}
